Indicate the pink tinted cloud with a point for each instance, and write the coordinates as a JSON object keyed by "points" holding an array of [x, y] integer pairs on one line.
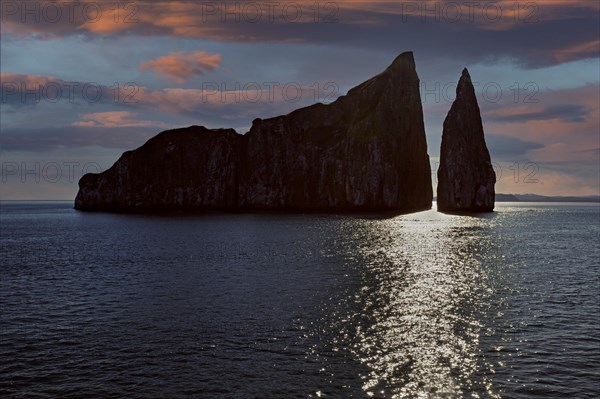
{"points": [[235, 101], [566, 138], [248, 100], [559, 115], [30, 81], [180, 67], [227, 19], [115, 119], [580, 51], [557, 31]]}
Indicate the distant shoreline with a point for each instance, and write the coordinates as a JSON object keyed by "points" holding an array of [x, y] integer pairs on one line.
{"points": [[544, 198]]}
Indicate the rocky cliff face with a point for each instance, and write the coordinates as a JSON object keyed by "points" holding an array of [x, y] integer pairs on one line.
{"points": [[365, 151], [177, 169], [466, 177]]}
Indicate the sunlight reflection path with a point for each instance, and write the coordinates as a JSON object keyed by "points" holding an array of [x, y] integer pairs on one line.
{"points": [[423, 296]]}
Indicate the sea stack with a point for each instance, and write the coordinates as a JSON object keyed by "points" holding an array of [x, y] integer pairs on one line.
{"points": [[366, 151], [466, 177]]}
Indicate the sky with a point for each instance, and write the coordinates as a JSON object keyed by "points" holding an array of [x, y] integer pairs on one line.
{"points": [[82, 82]]}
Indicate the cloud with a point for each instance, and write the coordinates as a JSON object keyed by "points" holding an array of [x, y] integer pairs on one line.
{"points": [[563, 126], [214, 104], [564, 152], [563, 112], [28, 80], [180, 67], [44, 139], [511, 148], [571, 115], [21, 89], [577, 52], [115, 119], [26, 89], [535, 34]]}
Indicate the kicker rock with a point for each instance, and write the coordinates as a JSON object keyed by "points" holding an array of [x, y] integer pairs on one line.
{"points": [[366, 151], [466, 177]]}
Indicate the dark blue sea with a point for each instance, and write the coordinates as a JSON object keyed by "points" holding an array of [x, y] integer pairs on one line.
{"points": [[426, 305]]}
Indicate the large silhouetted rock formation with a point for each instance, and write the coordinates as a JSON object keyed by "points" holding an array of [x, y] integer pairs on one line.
{"points": [[365, 151], [465, 175]]}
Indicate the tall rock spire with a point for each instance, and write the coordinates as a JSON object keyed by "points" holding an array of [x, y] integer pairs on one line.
{"points": [[466, 177]]}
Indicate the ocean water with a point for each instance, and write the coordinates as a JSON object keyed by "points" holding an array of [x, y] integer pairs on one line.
{"points": [[426, 305]]}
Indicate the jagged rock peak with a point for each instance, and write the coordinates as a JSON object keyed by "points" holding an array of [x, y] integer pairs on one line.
{"points": [[405, 59], [466, 177]]}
